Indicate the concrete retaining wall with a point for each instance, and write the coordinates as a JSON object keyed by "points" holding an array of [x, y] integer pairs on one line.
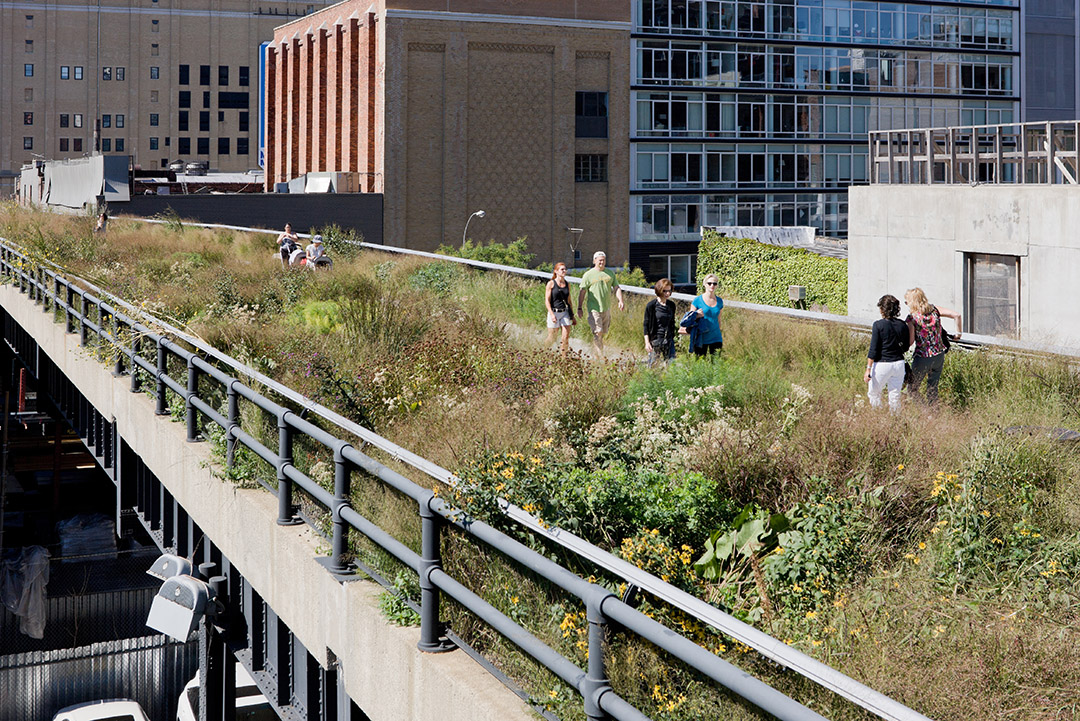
{"points": [[795, 235], [901, 236], [383, 671]]}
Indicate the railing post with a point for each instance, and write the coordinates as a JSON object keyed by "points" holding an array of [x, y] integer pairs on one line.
{"points": [[83, 317], [189, 407], [432, 639], [596, 683], [230, 429], [162, 368], [100, 323], [119, 369], [286, 517], [136, 344], [342, 482], [68, 320]]}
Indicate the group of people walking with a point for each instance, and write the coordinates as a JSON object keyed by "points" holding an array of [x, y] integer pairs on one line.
{"points": [[661, 325], [890, 339]]}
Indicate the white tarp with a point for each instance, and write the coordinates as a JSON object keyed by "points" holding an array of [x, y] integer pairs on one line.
{"points": [[22, 588], [74, 183]]}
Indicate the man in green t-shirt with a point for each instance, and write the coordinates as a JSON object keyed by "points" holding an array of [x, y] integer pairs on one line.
{"points": [[597, 286]]}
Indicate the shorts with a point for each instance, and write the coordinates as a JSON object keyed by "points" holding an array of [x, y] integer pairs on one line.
{"points": [[599, 320], [562, 319]]}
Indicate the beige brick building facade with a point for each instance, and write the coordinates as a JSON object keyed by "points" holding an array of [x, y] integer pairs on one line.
{"points": [[516, 107], [165, 79]]}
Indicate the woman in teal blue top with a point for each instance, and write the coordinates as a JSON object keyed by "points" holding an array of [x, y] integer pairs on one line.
{"points": [[709, 306]]}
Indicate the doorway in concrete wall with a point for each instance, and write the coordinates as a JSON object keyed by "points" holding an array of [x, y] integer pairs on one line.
{"points": [[993, 294]]}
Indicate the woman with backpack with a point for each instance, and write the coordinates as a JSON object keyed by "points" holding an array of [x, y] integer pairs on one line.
{"points": [[930, 340]]}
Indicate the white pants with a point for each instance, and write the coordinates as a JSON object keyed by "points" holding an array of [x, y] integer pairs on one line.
{"points": [[886, 376]]}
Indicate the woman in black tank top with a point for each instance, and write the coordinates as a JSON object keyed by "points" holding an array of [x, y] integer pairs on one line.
{"points": [[560, 310]]}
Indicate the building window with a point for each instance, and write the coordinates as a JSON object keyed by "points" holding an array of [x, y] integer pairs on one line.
{"points": [[203, 146], [204, 121], [65, 120], [681, 269], [591, 114], [27, 143], [27, 118], [241, 146], [164, 162], [78, 120], [223, 75], [155, 72], [244, 122], [206, 99], [590, 168], [106, 73], [154, 119], [167, 142], [119, 73], [153, 96], [28, 70], [106, 121], [29, 46], [119, 121], [244, 72], [184, 101], [185, 74], [155, 50], [155, 26], [78, 72], [65, 72], [204, 75], [223, 146], [993, 302], [76, 145], [153, 143], [183, 146], [29, 21], [64, 145], [119, 145], [28, 95], [233, 100], [221, 116], [182, 121], [106, 145]]}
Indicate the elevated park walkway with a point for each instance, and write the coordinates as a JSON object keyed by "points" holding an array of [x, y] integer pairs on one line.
{"points": [[313, 638]]}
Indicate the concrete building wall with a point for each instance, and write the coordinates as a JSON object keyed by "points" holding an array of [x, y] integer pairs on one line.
{"points": [[132, 38], [906, 236], [453, 107]]}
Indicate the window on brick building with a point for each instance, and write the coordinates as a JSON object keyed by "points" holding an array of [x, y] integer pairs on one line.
{"points": [[184, 101], [182, 121], [106, 73], [590, 168], [65, 72], [119, 73], [27, 118], [76, 145], [77, 118], [154, 119], [244, 122], [119, 121], [29, 21], [27, 143], [28, 70], [106, 145], [204, 75], [65, 120], [244, 72], [203, 146], [241, 146], [30, 46], [64, 145], [221, 116], [106, 121], [223, 75], [233, 100], [153, 96], [591, 111], [153, 143], [204, 121], [185, 74], [155, 72], [155, 50], [78, 72], [223, 146], [119, 145], [206, 99], [183, 146], [155, 26]]}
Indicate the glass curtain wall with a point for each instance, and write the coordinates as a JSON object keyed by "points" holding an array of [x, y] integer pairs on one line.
{"points": [[756, 112]]}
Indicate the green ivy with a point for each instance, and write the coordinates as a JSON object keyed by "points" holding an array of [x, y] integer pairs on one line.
{"points": [[759, 273]]}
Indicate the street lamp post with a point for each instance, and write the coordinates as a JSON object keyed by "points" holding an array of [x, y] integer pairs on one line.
{"points": [[477, 214]]}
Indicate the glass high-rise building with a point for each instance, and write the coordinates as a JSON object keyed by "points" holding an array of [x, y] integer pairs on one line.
{"points": [[756, 112]]}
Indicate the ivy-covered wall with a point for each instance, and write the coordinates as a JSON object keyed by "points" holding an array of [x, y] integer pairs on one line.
{"points": [[759, 273]]}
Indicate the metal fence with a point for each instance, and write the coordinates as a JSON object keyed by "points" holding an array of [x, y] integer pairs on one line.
{"points": [[150, 670], [95, 318], [1028, 153]]}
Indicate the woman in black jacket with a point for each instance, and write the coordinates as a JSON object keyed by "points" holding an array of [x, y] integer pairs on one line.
{"points": [[885, 361], [659, 325]]}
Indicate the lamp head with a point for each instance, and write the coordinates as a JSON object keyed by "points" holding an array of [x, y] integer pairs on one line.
{"points": [[179, 605], [479, 214], [169, 565]]}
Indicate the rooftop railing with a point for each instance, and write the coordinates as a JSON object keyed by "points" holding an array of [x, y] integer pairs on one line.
{"points": [[1042, 153]]}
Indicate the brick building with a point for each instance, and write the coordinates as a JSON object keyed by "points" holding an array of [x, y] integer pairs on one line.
{"points": [[453, 106]]}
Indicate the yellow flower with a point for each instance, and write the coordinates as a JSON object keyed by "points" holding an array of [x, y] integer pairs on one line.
{"points": [[811, 614], [921, 545], [553, 693], [900, 467]]}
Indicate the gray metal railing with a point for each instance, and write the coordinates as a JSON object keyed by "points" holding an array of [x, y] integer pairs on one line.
{"points": [[1026, 153], [100, 322]]}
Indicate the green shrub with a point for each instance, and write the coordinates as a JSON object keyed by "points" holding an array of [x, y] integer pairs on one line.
{"points": [[438, 278], [340, 242], [759, 273], [515, 253], [322, 316]]}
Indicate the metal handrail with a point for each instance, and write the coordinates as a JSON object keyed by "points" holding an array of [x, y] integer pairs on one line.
{"points": [[110, 326]]}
